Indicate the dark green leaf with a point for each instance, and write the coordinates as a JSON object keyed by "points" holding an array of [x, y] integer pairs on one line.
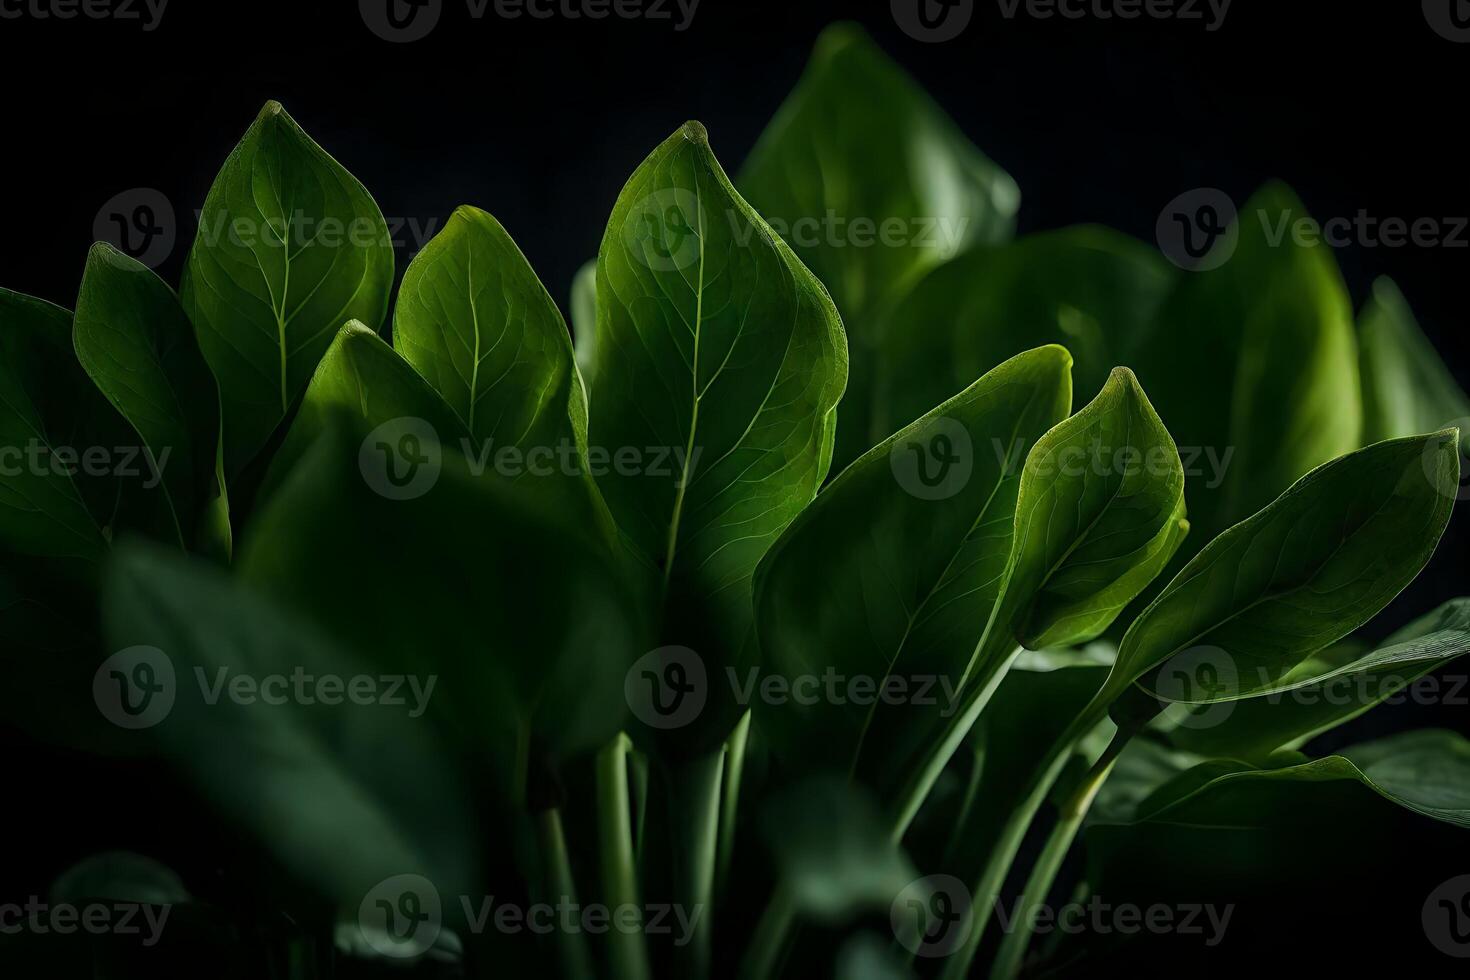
{"points": [[463, 578], [890, 575], [873, 184], [1087, 288], [1296, 577], [42, 509], [134, 341], [290, 247], [1344, 682], [1425, 771], [348, 794]]}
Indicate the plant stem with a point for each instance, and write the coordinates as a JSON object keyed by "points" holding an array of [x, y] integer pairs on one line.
{"points": [[987, 890], [638, 763], [730, 799], [702, 813], [1038, 886], [768, 944], [628, 957], [959, 726], [575, 958], [967, 803]]}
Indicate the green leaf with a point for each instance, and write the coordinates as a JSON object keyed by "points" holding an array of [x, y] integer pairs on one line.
{"points": [[290, 247], [1255, 365], [1406, 387], [834, 856], [119, 876], [892, 571], [363, 384], [133, 339], [858, 148], [1296, 577], [1099, 513], [42, 509], [1425, 771], [347, 794], [584, 321], [468, 579], [1087, 288], [719, 366], [1328, 689], [475, 321]]}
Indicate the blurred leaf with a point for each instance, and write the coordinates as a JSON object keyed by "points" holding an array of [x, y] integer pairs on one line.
{"points": [[290, 247], [873, 185], [584, 321], [348, 794], [1087, 288], [470, 581], [719, 366], [42, 511], [834, 855], [133, 340], [1406, 387], [890, 576], [119, 876], [1255, 359]]}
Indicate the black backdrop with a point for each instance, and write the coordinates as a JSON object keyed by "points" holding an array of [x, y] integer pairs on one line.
{"points": [[1358, 106]]}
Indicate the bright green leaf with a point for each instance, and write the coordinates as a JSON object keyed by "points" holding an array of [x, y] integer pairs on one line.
{"points": [[719, 364], [891, 573], [290, 247]]}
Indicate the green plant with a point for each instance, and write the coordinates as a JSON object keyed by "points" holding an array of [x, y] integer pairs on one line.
{"points": [[609, 575]]}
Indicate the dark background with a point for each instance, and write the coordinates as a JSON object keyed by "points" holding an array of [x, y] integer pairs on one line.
{"points": [[1358, 106]]}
